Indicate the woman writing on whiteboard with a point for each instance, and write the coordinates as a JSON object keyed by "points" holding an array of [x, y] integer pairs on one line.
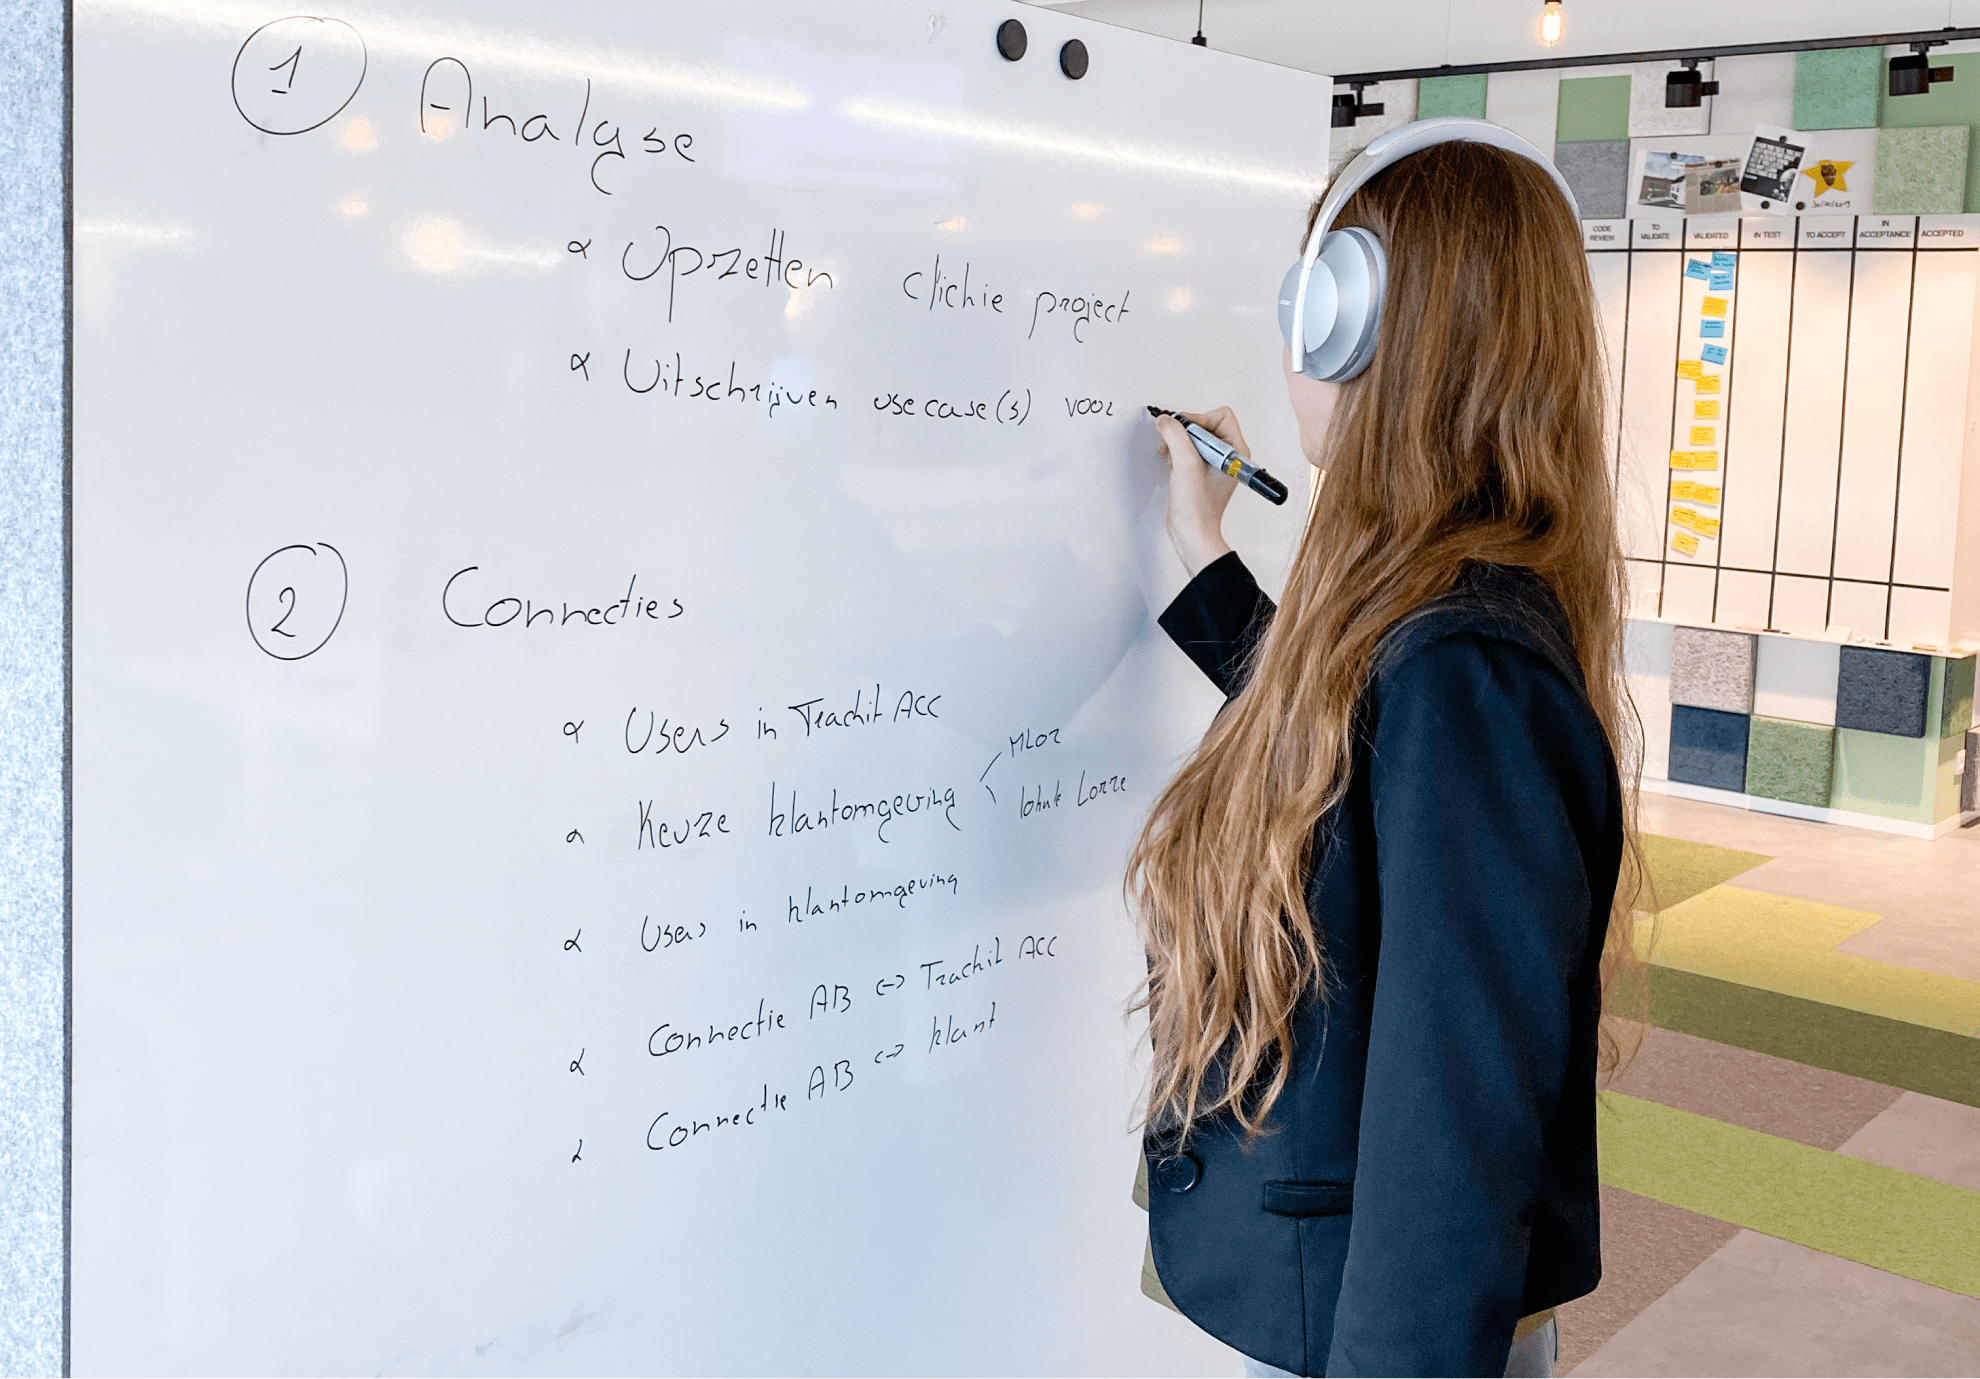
{"points": [[1378, 896]]}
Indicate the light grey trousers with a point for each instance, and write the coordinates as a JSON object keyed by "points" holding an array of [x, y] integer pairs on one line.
{"points": [[1532, 1356]]}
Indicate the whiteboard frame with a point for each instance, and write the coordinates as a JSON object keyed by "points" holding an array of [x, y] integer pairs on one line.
{"points": [[35, 352]]}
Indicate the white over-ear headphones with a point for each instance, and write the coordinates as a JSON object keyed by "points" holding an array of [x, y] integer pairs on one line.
{"points": [[1331, 300]]}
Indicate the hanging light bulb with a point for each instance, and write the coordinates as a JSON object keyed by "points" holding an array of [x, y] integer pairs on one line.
{"points": [[1550, 23]]}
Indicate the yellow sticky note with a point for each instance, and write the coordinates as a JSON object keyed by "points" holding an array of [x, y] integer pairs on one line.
{"points": [[1702, 435], [1684, 543], [1708, 384], [1694, 459], [1714, 306], [1690, 368], [1704, 526], [1706, 411], [1686, 491]]}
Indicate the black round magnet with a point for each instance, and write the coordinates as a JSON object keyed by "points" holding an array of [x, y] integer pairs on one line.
{"points": [[1072, 58], [1011, 39]]}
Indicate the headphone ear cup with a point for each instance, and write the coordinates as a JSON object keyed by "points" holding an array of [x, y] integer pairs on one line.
{"points": [[1322, 304], [1358, 279]]}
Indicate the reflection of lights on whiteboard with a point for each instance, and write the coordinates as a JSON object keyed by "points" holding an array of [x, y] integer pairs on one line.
{"points": [[923, 119], [795, 306], [421, 43], [1179, 299], [1165, 244], [954, 224], [1086, 210], [439, 245], [130, 234], [358, 136], [353, 206]]}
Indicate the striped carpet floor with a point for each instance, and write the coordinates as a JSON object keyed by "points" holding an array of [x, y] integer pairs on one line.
{"points": [[1791, 1160]]}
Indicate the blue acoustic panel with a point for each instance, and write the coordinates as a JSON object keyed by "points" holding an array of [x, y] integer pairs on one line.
{"points": [[1708, 747], [1883, 691]]}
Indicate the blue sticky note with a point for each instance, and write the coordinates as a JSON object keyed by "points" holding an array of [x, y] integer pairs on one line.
{"points": [[1721, 259], [1712, 327], [1713, 354], [1721, 280], [1697, 268]]}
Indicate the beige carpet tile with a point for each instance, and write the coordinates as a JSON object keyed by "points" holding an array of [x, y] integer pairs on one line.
{"points": [[1756, 1090], [1761, 1306], [1926, 1136], [1647, 1247]]}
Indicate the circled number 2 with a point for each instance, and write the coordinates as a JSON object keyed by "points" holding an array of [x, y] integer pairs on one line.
{"points": [[296, 598]]}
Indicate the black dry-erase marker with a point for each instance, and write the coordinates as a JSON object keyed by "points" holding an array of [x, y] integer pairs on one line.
{"points": [[1223, 458]]}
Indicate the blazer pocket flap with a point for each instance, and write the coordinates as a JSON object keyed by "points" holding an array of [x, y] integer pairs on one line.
{"points": [[1309, 1199]]}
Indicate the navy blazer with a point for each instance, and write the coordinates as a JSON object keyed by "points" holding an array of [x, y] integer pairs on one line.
{"points": [[1429, 1176]]}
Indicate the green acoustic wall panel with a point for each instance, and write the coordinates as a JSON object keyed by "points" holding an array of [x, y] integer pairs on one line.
{"points": [[1592, 108], [1790, 761], [1908, 778], [1836, 88], [1955, 102], [1921, 171], [1956, 696], [1451, 96]]}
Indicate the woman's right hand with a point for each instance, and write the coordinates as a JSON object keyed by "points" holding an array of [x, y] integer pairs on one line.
{"points": [[1198, 494]]}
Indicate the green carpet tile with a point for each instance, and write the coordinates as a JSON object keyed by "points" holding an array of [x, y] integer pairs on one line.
{"points": [[1889, 1220], [1899, 1054], [1679, 869]]}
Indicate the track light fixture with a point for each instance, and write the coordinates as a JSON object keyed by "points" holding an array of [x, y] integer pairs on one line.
{"points": [[1684, 88], [1349, 108], [1914, 74]]}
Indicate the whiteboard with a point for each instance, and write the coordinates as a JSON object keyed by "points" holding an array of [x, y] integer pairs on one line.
{"points": [[614, 672], [1833, 446]]}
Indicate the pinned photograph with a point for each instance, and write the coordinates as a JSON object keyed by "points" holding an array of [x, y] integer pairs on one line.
{"points": [[1712, 186], [1662, 184], [1767, 182]]}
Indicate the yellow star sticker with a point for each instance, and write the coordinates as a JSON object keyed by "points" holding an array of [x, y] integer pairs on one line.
{"points": [[1828, 175]]}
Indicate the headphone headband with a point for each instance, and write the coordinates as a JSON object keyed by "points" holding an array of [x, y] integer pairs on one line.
{"points": [[1384, 151]]}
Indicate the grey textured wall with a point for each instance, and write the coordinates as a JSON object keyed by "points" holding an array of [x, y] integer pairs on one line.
{"points": [[33, 686]]}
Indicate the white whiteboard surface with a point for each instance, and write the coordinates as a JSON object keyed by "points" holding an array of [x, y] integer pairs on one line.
{"points": [[365, 886]]}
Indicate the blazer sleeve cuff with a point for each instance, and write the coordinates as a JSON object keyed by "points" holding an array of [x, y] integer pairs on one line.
{"points": [[1217, 619]]}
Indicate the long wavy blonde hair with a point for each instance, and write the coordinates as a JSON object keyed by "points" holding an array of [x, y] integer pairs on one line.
{"points": [[1475, 436]]}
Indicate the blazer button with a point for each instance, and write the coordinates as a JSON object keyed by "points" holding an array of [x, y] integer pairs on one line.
{"points": [[1178, 1174]]}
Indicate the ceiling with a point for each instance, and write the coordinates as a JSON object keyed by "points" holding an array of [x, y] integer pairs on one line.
{"points": [[1338, 36]]}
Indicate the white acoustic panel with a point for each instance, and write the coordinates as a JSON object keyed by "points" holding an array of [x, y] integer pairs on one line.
{"points": [[1796, 678], [1650, 118], [1527, 103], [1647, 668]]}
